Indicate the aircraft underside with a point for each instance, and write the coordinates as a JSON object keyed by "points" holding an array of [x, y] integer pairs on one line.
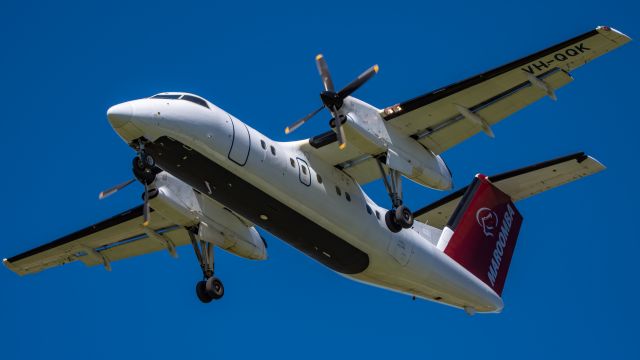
{"points": [[252, 203]]}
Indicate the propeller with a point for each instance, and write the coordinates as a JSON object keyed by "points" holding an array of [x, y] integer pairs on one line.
{"points": [[332, 100], [115, 189], [146, 176]]}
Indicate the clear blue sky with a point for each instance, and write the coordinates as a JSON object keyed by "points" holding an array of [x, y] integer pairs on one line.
{"points": [[573, 286]]}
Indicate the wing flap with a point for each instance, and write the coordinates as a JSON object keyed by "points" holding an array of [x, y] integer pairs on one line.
{"points": [[518, 184], [456, 128], [145, 245]]}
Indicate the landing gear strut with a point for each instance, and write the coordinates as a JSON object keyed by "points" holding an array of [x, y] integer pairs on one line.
{"points": [[399, 217], [210, 287]]}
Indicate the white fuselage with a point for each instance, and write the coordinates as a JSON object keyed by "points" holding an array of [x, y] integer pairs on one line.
{"points": [[322, 197]]}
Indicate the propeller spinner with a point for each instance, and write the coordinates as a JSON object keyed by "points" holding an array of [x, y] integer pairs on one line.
{"points": [[333, 100]]}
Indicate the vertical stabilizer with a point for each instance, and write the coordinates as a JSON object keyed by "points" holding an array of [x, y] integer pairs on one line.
{"points": [[482, 232]]}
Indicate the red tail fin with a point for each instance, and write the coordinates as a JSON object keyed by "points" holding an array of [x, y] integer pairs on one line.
{"points": [[484, 230]]}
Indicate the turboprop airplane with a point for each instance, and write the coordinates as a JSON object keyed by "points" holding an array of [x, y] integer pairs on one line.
{"points": [[210, 181]]}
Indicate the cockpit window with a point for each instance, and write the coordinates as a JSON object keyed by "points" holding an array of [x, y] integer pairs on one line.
{"points": [[195, 100], [191, 98], [166, 96]]}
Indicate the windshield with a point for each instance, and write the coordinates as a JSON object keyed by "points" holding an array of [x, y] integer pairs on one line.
{"points": [[191, 98]]}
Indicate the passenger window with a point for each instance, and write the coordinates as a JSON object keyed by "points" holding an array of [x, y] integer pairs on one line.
{"points": [[338, 191], [293, 163], [273, 150], [369, 211], [378, 214], [304, 169], [319, 178], [346, 194], [263, 144]]}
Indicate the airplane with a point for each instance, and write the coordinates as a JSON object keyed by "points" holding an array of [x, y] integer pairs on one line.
{"points": [[211, 181]]}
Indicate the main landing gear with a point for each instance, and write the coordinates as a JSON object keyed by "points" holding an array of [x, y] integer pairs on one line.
{"points": [[399, 217], [210, 287]]}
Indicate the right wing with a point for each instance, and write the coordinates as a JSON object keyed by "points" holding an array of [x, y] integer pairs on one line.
{"points": [[116, 238], [447, 116], [518, 184]]}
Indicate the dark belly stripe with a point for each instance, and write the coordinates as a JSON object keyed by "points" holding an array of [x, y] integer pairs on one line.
{"points": [[250, 202]]}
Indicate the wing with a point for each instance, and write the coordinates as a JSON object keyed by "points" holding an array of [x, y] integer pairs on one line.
{"points": [[519, 184], [116, 238], [362, 167], [445, 117]]}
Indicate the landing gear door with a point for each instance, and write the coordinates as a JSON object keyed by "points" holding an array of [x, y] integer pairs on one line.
{"points": [[304, 172], [241, 142]]}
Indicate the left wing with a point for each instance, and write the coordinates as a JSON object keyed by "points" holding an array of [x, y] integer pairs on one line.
{"points": [[116, 238], [445, 117]]}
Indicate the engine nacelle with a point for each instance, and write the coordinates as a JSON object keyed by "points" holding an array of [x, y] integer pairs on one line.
{"points": [[421, 166], [177, 201], [367, 131], [242, 241]]}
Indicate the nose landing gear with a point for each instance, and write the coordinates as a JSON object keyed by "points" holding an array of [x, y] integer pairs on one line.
{"points": [[399, 217], [210, 288], [144, 167]]}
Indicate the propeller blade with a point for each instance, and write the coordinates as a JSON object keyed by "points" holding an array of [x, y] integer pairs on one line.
{"points": [[323, 69], [299, 123], [115, 189], [342, 138], [359, 81], [146, 210]]}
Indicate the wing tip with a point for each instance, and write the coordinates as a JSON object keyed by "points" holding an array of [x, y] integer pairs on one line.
{"points": [[10, 266], [613, 34], [596, 165]]}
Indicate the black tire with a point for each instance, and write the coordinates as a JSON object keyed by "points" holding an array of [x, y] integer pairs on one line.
{"points": [[390, 220], [404, 217], [138, 164], [202, 293], [214, 288], [144, 176]]}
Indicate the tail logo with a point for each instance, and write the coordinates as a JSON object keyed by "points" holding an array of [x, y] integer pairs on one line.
{"points": [[501, 244], [488, 220]]}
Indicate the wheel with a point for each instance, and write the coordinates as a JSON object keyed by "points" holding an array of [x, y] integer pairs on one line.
{"points": [[144, 176], [149, 161], [214, 288], [143, 173], [202, 293], [404, 217], [390, 220]]}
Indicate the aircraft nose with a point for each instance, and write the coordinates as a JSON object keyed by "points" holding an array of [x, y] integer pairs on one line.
{"points": [[120, 114]]}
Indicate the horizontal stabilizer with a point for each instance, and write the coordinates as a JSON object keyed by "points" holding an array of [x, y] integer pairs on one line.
{"points": [[518, 184]]}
